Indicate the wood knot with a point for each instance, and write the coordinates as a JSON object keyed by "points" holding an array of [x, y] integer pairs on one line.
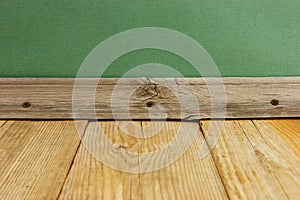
{"points": [[153, 91]]}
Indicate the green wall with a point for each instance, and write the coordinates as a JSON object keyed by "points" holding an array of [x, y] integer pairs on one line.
{"points": [[42, 38]]}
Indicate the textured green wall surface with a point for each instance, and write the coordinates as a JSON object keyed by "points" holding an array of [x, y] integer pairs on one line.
{"points": [[42, 38]]}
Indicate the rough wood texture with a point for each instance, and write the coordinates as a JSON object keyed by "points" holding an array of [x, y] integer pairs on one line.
{"points": [[35, 157], [188, 178], [256, 159], [89, 179], [245, 98], [254, 162], [287, 130], [278, 153]]}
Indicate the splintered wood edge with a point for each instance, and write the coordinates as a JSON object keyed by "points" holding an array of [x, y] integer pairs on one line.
{"points": [[51, 98]]}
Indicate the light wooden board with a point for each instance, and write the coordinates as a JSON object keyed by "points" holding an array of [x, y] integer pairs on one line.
{"points": [[89, 179], [242, 172], [245, 98], [278, 153], [188, 178], [256, 159], [36, 157], [287, 129]]}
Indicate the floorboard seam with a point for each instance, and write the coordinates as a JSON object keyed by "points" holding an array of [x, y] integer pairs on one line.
{"points": [[143, 143], [214, 162], [69, 170], [244, 132], [3, 123]]}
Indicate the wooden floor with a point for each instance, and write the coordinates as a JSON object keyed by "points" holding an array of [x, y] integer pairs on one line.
{"points": [[252, 159]]}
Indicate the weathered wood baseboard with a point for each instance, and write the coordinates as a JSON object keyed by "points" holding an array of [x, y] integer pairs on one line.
{"points": [[52, 98]]}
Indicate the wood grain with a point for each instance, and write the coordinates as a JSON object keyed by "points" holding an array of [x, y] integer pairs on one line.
{"points": [[188, 178], [277, 152], [36, 157], [287, 129], [51, 98], [256, 159], [89, 179], [242, 172]]}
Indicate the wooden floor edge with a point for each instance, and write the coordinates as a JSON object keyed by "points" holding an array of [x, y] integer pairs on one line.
{"points": [[134, 98]]}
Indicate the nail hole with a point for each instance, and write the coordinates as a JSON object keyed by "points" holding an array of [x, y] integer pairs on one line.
{"points": [[150, 104], [275, 102], [26, 105]]}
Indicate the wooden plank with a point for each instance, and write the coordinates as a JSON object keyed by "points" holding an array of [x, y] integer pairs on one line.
{"points": [[188, 178], [36, 157], [277, 152], [51, 98], [286, 129], [89, 179], [242, 172]]}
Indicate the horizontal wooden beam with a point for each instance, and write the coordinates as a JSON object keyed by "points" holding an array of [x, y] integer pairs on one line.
{"points": [[145, 98]]}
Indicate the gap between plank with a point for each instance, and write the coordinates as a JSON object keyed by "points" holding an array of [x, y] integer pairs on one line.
{"points": [[79, 144], [2, 123], [217, 169]]}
